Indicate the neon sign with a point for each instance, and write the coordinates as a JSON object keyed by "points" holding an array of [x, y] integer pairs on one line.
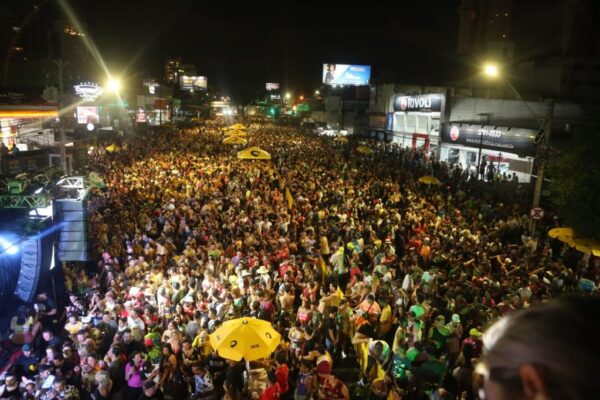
{"points": [[88, 91]]}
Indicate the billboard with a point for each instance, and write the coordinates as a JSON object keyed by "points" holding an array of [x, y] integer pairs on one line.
{"points": [[272, 86], [512, 140], [421, 103], [193, 82], [342, 74], [88, 115]]}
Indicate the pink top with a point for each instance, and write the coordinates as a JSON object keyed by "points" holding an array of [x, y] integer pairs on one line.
{"points": [[135, 381]]}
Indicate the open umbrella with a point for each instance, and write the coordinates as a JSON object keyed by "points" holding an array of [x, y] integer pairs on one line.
{"points": [[247, 338], [429, 180], [253, 153], [235, 140], [564, 234], [587, 246], [341, 139], [237, 126], [364, 150], [236, 132]]}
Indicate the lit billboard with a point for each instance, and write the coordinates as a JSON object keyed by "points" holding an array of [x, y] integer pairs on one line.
{"points": [[272, 86], [193, 82], [342, 74], [88, 115]]}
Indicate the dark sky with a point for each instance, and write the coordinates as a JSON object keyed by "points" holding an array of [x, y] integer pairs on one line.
{"points": [[240, 46]]}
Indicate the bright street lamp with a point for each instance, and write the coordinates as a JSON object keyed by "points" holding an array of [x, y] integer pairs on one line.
{"points": [[317, 92], [491, 70], [114, 85]]}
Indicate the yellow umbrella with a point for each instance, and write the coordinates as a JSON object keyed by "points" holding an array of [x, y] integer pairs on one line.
{"points": [[587, 246], [235, 140], [237, 126], [364, 150], [247, 338], [113, 147], [564, 234], [236, 132], [341, 139], [253, 153], [429, 180]]}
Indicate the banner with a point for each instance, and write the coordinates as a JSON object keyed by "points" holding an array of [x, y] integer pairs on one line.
{"points": [[193, 82], [289, 198], [342, 74], [513, 140], [87, 115], [253, 153]]}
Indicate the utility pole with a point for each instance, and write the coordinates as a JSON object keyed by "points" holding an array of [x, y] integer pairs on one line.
{"points": [[541, 156], [61, 128]]}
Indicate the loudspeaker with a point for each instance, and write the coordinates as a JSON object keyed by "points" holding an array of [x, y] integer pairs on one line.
{"points": [[71, 216], [29, 274]]}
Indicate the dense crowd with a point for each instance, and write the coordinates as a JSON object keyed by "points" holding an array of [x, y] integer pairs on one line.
{"points": [[360, 265]]}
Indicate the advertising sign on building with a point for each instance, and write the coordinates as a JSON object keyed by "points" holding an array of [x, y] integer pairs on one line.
{"points": [[342, 74], [421, 103], [272, 86], [88, 91], [193, 82], [515, 140], [87, 115]]}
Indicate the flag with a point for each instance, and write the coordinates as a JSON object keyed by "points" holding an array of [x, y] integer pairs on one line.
{"points": [[289, 198]]}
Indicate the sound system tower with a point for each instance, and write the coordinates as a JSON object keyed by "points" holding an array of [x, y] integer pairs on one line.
{"points": [[71, 217]]}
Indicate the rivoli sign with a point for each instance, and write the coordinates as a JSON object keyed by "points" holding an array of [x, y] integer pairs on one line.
{"points": [[515, 140], [422, 103]]}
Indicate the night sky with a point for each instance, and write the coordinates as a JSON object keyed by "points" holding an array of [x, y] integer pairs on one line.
{"points": [[240, 46]]}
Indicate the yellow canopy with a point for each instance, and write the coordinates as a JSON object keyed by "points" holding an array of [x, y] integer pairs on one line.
{"points": [[364, 150], [429, 180], [564, 234], [236, 132], [253, 153], [247, 338], [237, 126], [235, 140], [587, 246]]}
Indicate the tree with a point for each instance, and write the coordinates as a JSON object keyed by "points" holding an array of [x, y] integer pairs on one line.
{"points": [[576, 182]]}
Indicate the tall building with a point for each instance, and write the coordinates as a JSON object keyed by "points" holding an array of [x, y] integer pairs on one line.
{"points": [[70, 43], [172, 70], [33, 34]]}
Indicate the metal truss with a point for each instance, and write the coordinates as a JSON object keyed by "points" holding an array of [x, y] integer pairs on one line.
{"points": [[24, 201]]}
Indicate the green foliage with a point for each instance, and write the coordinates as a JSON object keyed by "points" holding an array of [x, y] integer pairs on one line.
{"points": [[576, 182]]}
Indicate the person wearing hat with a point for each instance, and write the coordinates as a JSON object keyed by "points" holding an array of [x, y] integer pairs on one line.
{"points": [[27, 363], [473, 341]]}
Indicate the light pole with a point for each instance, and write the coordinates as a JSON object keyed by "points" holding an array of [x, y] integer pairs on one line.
{"points": [[542, 139]]}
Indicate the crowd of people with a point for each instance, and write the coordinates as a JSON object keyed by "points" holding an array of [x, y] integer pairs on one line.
{"points": [[349, 257]]}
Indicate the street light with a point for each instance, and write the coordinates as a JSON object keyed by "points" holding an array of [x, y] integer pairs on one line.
{"points": [[288, 95], [491, 70], [113, 85], [317, 92]]}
